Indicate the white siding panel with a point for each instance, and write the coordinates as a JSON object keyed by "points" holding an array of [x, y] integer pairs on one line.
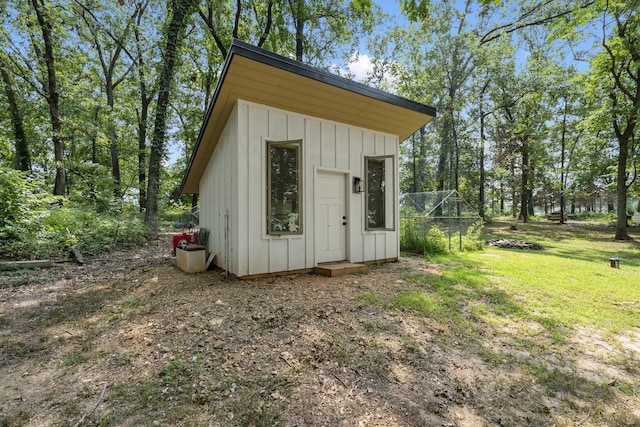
{"points": [[311, 150], [297, 246], [391, 146], [381, 245], [368, 238], [380, 144], [296, 127], [242, 247], [393, 241], [278, 255], [233, 194], [343, 151], [391, 245], [328, 144], [297, 253], [356, 205], [214, 193], [368, 143], [220, 200], [277, 130], [369, 241], [258, 247]]}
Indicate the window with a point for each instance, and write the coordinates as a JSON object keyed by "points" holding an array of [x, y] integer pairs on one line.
{"points": [[380, 193], [284, 187]]}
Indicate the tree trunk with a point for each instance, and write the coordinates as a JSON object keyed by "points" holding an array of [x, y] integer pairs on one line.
{"points": [[23, 158], [621, 187], [175, 34], [514, 191], [481, 196], [53, 99], [626, 77], [442, 162], [142, 157], [524, 192], [413, 165], [299, 39], [562, 159], [113, 145], [143, 116]]}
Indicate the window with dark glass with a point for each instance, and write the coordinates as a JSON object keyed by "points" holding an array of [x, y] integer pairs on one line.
{"points": [[284, 187], [379, 190]]}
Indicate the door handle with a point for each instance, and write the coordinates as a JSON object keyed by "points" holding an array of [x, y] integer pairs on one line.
{"points": [[344, 220]]}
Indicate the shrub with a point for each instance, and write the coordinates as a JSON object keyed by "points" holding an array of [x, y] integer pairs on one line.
{"points": [[89, 231], [412, 234], [34, 224], [435, 242], [418, 237], [472, 241]]}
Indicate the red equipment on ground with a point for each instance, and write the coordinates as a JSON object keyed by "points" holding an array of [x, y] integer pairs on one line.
{"points": [[182, 240]]}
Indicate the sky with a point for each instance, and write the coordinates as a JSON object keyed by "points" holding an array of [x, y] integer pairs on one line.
{"points": [[363, 64]]}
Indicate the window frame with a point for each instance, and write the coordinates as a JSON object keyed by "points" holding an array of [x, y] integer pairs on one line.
{"points": [[299, 173], [389, 192]]}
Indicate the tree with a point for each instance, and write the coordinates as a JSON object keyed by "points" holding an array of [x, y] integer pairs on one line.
{"points": [[616, 73], [569, 113], [251, 21], [177, 21], [50, 90], [322, 27], [443, 58], [147, 93], [22, 156], [108, 32]]}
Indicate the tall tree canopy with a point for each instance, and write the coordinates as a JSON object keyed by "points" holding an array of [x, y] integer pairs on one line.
{"points": [[537, 102]]}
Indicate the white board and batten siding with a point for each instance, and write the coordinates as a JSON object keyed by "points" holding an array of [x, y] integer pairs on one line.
{"points": [[218, 194], [235, 184]]}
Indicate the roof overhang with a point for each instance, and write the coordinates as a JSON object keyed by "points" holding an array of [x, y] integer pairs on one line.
{"points": [[256, 75]]}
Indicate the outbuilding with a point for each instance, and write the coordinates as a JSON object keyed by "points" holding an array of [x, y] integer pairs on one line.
{"points": [[297, 167]]}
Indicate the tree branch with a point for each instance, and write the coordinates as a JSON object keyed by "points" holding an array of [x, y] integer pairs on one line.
{"points": [[208, 20], [267, 27], [511, 27], [236, 23]]}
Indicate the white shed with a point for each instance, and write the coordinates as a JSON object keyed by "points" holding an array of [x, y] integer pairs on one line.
{"points": [[296, 167]]}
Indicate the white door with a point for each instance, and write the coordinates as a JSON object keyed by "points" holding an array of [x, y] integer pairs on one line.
{"points": [[330, 217]]}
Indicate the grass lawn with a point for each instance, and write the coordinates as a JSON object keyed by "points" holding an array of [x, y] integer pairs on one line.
{"points": [[563, 315], [571, 282], [567, 285]]}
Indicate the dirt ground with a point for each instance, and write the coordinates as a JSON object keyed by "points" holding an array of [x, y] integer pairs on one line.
{"points": [[130, 340]]}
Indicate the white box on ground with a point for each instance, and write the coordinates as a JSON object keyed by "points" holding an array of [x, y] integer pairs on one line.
{"points": [[191, 259]]}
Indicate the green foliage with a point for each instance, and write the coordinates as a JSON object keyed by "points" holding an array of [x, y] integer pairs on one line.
{"points": [[417, 236], [472, 241], [36, 225], [17, 200], [435, 242], [412, 232], [608, 218]]}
